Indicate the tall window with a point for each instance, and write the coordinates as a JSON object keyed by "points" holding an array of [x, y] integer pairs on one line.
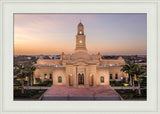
{"points": [[116, 76], [110, 76], [102, 79], [59, 79], [45, 76], [70, 80], [50, 76]]}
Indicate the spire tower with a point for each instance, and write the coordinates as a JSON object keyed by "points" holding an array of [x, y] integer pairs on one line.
{"points": [[80, 39]]}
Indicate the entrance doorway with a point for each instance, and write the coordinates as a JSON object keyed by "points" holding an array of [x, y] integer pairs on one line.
{"points": [[80, 79]]}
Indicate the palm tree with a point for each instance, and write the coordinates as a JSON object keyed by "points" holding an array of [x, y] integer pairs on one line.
{"points": [[140, 71], [22, 74], [129, 68], [31, 70]]}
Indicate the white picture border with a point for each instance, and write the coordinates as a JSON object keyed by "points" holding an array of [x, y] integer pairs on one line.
{"points": [[54, 6]]}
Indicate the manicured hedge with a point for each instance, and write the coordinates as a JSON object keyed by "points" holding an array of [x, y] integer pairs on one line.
{"points": [[45, 83]]}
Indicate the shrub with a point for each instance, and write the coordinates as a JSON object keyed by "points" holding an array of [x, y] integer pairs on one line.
{"points": [[116, 83], [45, 83]]}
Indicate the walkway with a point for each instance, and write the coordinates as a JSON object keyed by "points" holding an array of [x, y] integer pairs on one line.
{"points": [[71, 93]]}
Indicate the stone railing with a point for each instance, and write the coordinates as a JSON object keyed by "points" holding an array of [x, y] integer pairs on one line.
{"points": [[109, 65], [53, 65]]}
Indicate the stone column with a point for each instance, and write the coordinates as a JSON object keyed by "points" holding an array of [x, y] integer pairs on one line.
{"points": [[75, 78], [94, 81], [67, 80], [75, 81], [86, 81]]}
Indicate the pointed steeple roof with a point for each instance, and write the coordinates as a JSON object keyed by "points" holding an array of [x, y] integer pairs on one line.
{"points": [[80, 24]]}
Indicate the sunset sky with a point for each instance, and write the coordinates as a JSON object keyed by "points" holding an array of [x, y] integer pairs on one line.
{"points": [[109, 34]]}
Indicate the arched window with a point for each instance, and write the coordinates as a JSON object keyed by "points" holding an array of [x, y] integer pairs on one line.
{"points": [[110, 76], [116, 76], [50, 76], [59, 79], [102, 79], [45, 76]]}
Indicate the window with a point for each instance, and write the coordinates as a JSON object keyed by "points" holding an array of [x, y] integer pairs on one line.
{"points": [[110, 76], [50, 76], [116, 76], [102, 79], [45, 76], [59, 79]]}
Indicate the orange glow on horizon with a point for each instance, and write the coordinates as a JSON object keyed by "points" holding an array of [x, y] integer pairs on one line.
{"points": [[36, 34]]}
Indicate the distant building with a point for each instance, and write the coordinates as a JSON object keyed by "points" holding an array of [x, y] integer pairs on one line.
{"points": [[80, 69]]}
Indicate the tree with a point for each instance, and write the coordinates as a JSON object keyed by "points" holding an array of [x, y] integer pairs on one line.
{"points": [[140, 71], [30, 69], [129, 68], [21, 73]]}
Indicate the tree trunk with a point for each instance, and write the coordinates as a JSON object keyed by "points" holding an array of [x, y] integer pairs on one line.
{"points": [[22, 89], [133, 84], [139, 87], [31, 81], [27, 83], [127, 78], [130, 80]]}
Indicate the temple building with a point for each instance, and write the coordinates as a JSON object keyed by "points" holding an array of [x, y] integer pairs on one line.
{"points": [[80, 69]]}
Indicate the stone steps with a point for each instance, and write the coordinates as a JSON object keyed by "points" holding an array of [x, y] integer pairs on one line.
{"points": [[63, 98], [70, 93]]}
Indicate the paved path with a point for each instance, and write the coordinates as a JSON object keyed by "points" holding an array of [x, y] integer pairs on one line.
{"points": [[71, 93]]}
